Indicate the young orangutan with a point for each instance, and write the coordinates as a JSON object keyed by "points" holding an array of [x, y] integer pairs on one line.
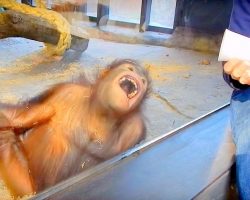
{"points": [[71, 127]]}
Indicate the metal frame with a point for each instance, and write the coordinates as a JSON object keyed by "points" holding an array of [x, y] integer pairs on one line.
{"points": [[28, 2], [178, 19], [145, 15], [128, 155], [103, 15], [102, 12], [145, 18], [160, 29]]}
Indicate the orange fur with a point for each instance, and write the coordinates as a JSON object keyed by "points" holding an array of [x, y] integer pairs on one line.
{"points": [[71, 128]]}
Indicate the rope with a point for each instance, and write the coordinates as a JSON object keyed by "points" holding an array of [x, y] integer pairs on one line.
{"points": [[52, 17], [40, 4]]}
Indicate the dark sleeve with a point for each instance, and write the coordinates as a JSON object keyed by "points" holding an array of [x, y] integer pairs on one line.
{"points": [[234, 83], [240, 17], [239, 23]]}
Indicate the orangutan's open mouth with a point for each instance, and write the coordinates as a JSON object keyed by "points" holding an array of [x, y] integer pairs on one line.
{"points": [[129, 85]]}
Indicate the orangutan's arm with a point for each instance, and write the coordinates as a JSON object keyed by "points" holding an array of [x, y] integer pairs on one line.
{"points": [[26, 117]]}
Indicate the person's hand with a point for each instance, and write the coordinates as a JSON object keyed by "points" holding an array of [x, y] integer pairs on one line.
{"points": [[239, 70]]}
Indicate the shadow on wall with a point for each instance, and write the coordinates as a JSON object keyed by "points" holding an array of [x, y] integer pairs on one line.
{"points": [[211, 16]]}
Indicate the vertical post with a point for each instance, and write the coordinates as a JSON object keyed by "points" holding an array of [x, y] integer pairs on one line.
{"points": [[81, 6], [145, 15], [178, 18], [102, 12], [28, 2]]}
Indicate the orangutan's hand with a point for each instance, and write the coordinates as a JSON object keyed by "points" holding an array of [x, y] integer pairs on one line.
{"points": [[25, 117]]}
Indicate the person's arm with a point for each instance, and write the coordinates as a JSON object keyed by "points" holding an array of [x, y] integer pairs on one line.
{"points": [[235, 46]]}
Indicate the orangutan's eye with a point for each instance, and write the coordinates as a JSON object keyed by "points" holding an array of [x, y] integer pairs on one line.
{"points": [[131, 69], [143, 81]]}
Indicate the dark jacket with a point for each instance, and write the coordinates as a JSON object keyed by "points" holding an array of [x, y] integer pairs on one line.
{"points": [[239, 23]]}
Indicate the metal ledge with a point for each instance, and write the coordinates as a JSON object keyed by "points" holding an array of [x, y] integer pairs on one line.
{"points": [[178, 165]]}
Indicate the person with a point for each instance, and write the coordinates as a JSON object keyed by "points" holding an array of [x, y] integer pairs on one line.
{"points": [[235, 54]]}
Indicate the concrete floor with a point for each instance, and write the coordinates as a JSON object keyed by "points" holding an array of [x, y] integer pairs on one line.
{"points": [[186, 84]]}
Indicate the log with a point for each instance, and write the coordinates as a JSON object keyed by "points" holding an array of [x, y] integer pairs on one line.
{"points": [[16, 24]]}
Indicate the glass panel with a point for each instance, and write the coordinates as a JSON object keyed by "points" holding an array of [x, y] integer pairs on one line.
{"points": [[162, 13], [92, 8], [125, 11]]}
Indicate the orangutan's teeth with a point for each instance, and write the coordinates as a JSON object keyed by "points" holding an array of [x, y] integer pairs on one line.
{"points": [[129, 85], [131, 80], [131, 95], [122, 79]]}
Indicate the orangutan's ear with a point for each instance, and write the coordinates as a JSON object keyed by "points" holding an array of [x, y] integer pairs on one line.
{"points": [[103, 73]]}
